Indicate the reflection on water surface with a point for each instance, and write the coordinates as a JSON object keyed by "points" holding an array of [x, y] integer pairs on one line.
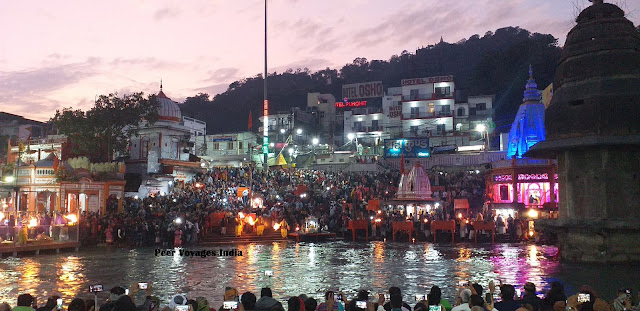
{"points": [[302, 268]]}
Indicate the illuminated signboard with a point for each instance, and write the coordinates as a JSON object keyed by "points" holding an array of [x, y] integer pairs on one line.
{"points": [[502, 178], [362, 90], [409, 147], [525, 177], [417, 81], [351, 104]]}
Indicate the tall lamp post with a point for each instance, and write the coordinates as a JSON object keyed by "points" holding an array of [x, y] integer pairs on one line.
{"points": [[265, 104]]}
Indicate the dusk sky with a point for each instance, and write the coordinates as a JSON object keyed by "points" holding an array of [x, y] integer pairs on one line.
{"points": [[56, 54]]}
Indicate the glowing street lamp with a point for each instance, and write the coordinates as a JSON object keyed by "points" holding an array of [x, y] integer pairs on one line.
{"points": [[282, 131], [351, 136], [9, 178], [483, 129], [299, 131], [315, 141]]}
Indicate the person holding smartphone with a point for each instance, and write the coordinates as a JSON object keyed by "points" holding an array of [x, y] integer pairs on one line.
{"points": [[331, 302], [150, 303]]}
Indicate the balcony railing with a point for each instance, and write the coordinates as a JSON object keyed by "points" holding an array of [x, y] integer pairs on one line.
{"points": [[365, 111], [427, 96], [421, 115], [367, 129]]}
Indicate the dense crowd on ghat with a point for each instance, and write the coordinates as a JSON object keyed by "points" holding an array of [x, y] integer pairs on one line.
{"points": [[183, 216], [470, 297]]}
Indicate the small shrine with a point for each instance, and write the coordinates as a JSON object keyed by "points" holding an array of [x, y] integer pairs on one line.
{"points": [[414, 193]]}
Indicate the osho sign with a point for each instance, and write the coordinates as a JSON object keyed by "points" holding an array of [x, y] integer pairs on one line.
{"points": [[362, 90]]}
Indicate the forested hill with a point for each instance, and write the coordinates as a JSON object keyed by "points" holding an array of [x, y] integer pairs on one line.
{"points": [[495, 63]]}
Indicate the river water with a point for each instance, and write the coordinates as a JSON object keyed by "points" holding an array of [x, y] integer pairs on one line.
{"points": [[303, 269]]}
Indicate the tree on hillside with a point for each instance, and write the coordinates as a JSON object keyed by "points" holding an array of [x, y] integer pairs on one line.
{"points": [[105, 129]]}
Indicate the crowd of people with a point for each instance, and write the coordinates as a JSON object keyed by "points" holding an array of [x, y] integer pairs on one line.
{"points": [[470, 297], [184, 215]]}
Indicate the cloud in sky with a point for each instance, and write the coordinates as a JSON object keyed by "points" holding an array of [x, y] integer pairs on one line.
{"points": [[62, 54]]}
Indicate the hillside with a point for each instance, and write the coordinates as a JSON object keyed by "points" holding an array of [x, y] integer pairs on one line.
{"points": [[495, 63]]}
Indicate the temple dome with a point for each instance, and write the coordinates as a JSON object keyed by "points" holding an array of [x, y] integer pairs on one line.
{"points": [[169, 110], [596, 100], [415, 185], [595, 85]]}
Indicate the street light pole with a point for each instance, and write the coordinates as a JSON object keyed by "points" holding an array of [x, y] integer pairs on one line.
{"points": [[265, 105]]}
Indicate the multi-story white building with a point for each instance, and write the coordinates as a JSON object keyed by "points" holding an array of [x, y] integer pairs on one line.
{"points": [[231, 149], [427, 107], [477, 110], [196, 128], [422, 107]]}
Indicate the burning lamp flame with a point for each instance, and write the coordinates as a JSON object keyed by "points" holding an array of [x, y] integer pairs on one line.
{"points": [[276, 226], [378, 220], [32, 223], [241, 214], [72, 218], [297, 228], [530, 233], [426, 220], [250, 220], [460, 215]]}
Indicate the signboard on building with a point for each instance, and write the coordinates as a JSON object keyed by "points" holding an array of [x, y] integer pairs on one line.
{"points": [[348, 104], [407, 147], [416, 81], [222, 138], [362, 90], [395, 111]]}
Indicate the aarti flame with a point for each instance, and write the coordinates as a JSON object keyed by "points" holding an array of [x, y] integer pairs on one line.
{"points": [[32, 223], [72, 218], [276, 226]]}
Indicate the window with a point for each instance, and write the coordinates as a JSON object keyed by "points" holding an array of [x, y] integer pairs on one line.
{"points": [[144, 147], [440, 128], [414, 129], [413, 94], [415, 112], [443, 91], [481, 106], [472, 111], [460, 112], [230, 145], [374, 125], [357, 126], [445, 108], [216, 146], [239, 145], [432, 108]]}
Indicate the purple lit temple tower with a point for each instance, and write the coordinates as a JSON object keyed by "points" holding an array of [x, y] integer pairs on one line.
{"points": [[528, 126], [593, 129]]}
